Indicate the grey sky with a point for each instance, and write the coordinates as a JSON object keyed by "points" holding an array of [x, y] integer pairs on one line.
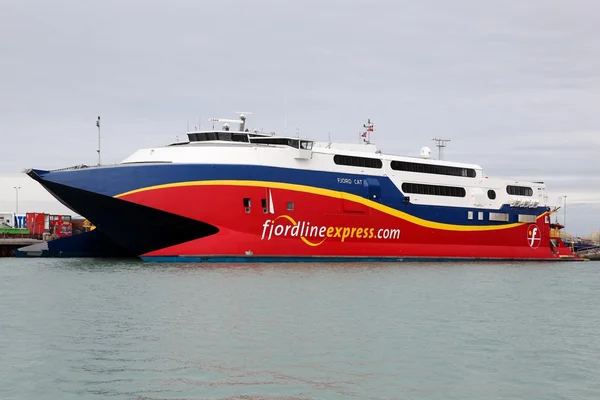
{"points": [[514, 84]]}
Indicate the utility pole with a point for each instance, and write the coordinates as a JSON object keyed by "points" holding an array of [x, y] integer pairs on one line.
{"points": [[17, 195], [98, 125], [440, 143]]}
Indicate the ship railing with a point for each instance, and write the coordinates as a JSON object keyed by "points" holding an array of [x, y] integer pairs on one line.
{"points": [[80, 166]]}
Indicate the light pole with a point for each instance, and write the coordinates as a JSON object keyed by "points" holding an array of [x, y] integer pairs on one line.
{"points": [[17, 195]]}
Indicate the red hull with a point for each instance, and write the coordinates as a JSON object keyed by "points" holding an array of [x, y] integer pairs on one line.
{"points": [[325, 223]]}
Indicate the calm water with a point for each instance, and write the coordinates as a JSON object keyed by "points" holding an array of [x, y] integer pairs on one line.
{"points": [[80, 329]]}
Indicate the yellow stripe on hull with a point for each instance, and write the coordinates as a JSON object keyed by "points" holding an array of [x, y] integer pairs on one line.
{"points": [[334, 194]]}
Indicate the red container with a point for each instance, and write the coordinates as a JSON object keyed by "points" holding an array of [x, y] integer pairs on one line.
{"points": [[35, 223], [61, 225]]}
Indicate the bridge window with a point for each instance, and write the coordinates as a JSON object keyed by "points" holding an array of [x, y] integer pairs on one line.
{"points": [[357, 161], [304, 144], [491, 194], [519, 190], [279, 141], [226, 136], [432, 169], [434, 190]]}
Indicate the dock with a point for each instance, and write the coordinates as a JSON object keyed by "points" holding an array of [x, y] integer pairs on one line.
{"points": [[592, 254], [9, 245]]}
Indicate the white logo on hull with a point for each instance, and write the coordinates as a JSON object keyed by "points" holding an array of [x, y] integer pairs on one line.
{"points": [[534, 236]]}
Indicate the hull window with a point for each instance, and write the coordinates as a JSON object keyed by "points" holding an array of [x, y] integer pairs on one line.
{"points": [[263, 204], [290, 206], [247, 204], [499, 217], [527, 218]]}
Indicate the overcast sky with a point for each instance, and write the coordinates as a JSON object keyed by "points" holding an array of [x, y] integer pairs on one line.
{"points": [[515, 85]]}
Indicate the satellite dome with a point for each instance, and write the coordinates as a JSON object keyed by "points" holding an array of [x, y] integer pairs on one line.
{"points": [[425, 152]]}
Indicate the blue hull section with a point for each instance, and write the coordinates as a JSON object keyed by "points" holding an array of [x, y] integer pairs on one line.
{"points": [[92, 244], [115, 180]]}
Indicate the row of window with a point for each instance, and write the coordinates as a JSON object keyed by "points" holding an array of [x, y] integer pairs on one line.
{"points": [[502, 217], [229, 136], [435, 190], [415, 188], [295, 143], [454, 191], [366, 162], [493, 216], [222, 135], [358, 161], [432, 169], [404, 166]]}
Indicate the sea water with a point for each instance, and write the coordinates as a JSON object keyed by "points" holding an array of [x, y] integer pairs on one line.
{"points": [[96, 329]]}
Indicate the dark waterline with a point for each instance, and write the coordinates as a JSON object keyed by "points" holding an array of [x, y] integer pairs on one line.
{"points": [[81, 329]]}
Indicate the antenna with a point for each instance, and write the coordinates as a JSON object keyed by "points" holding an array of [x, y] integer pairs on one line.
{"points": [[98, 125], [241, 121], [440, 143], [366, 135]]}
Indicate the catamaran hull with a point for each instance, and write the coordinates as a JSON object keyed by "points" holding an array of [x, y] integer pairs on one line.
{"points": [[203, 213]]}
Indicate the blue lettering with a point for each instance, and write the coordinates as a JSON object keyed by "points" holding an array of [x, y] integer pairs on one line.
{"points": [[20, 222]]}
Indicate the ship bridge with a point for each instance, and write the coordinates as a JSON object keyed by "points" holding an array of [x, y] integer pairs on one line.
{"points": [[243, 135]]}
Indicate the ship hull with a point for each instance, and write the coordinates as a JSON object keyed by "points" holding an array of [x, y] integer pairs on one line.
{"points": [[207, 213]]}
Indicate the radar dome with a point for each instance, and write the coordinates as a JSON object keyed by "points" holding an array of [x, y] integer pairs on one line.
{"points": [[425, 152]]}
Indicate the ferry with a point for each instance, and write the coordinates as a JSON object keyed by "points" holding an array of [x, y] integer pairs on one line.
{"points": [[235, 195]]}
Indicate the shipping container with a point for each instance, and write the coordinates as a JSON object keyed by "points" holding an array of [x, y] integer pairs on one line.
{"points": [[7, 219], [35, 223], [20, 221], [60, 225]]}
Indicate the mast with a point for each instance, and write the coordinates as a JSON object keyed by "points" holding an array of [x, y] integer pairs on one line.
{"points": [[440, 143], [98, 125], [366, 135]]}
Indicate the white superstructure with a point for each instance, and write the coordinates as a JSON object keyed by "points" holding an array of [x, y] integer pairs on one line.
{"points": [[423, 180]]}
